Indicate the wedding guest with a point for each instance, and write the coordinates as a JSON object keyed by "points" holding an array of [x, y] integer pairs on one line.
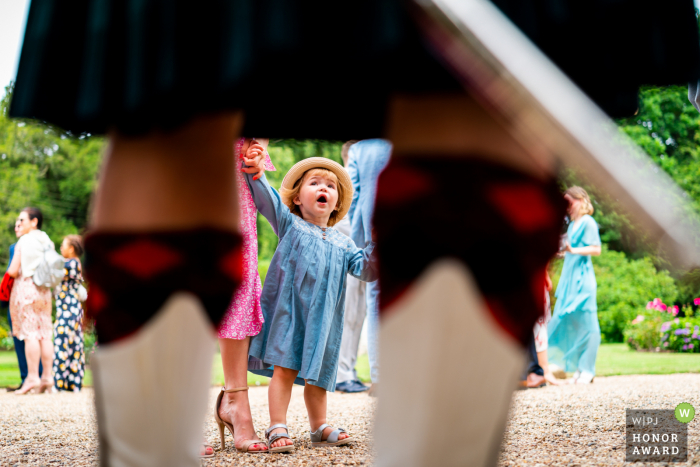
{"points": [[366, 161], [243, 319], [18, 344], [541, 336], [355, 312], [574, 332], [69, 347], [30, 305]]}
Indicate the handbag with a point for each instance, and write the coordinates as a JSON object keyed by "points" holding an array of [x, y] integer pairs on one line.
{"points": [[51, 270], [82, 293], [6, 287]]}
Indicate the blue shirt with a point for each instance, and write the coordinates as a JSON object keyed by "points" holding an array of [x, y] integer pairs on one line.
{"points": [[366, 160], [303, 300]]}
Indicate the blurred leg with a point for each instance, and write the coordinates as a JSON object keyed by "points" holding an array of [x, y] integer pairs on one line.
{"points": [[480, 217], [355, 312], [373, 329], [32, 354], [165, 220], [19, 350], [46, 346]]}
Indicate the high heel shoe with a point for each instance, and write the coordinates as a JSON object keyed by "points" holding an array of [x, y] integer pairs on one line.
{"points": [[223, 424], [28, 388], [46, 385]]}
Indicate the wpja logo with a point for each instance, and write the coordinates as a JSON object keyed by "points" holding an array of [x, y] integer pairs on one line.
{"points": [[658, 435]]}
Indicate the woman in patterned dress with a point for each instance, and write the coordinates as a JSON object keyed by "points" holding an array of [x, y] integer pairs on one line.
{"points": [[244, 317], [30, 304], [69, 349]]}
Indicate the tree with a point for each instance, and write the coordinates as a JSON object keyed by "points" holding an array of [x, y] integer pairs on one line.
{"points": [[46, 167]]}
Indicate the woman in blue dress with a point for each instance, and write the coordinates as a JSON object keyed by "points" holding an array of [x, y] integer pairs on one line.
{"points": [[574, 332]]}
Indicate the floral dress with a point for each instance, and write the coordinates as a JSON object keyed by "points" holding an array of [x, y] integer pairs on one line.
{"points": [[69, 349], [30, 306], [244, 316]]}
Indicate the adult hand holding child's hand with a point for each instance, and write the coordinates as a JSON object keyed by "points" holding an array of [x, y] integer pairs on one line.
{"points": [[253, 158]]}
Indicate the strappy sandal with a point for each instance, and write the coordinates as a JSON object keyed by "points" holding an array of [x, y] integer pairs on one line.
{"points": [[203, 454], [271, 438], [247, 443], [317, 440]]}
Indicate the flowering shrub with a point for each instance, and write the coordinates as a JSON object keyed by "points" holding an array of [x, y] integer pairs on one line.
{"points": [[681, 335], [659, 328]]}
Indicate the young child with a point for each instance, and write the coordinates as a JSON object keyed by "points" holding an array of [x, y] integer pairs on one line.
{"points": [[69, 349], [303, 299]]}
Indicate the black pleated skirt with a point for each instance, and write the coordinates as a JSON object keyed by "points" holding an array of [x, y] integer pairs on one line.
{"points": [[310, 69]]}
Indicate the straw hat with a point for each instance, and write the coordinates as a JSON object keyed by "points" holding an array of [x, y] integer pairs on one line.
{"points": [[296, 172]]}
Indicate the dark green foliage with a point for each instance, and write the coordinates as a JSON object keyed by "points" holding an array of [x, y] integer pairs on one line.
{"points": [[45, 167]]}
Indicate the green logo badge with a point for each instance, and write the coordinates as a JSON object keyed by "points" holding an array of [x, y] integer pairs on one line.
{"points": [[685, 412]]}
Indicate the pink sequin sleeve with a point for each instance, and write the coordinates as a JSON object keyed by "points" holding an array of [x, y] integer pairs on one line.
{"points": [[267, 162]]}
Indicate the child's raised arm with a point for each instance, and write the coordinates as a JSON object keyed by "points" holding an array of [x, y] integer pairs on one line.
{"points": [[363, 263], [269, 203]]}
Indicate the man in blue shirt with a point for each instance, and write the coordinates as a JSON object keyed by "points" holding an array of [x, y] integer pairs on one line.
{"points": [[366, 161]]}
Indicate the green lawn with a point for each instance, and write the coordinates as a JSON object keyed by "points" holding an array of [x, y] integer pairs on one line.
{"points": [[619, 359], [613, 359]]}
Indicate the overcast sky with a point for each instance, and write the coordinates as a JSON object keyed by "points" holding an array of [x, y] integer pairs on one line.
{"points": [[13, 15]]}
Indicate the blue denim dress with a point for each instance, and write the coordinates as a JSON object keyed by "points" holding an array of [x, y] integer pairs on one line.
{"points": [[303, 300]]}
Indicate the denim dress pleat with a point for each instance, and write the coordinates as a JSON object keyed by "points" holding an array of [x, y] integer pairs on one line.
{"points": [[303, 300]]}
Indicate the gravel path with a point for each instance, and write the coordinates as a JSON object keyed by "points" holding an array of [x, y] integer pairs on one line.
{"points": [[570, 425]]}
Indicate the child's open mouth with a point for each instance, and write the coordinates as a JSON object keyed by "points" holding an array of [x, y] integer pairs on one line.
{"points": [[322, 199]]}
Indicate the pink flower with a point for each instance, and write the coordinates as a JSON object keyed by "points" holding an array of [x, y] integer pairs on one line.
{"points": [[674, 309], [657, 304], [676, 320], [650, 305], [697, 301], [638, 319]]}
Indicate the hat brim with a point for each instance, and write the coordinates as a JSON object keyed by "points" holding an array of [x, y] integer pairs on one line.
{"points": [[301, 167]]}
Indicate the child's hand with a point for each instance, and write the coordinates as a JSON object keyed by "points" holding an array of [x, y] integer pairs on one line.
{"points": [[253, 158]]}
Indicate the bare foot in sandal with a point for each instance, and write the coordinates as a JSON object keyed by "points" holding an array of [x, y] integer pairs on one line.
{"points": [[326, 435], [235, 410], [282, 441]]}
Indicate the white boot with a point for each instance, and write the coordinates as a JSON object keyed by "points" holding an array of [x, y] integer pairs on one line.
{"points": [[152, 389], [585, 378], [448, 374]]}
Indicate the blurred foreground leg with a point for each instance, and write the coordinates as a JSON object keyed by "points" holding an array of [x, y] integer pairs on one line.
{"points": [[151, 390], [163, 259], [448, 372], [466, 221]]}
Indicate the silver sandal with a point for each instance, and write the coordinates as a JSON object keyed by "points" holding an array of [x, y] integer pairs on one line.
{"points": [[332, 440], [271, 438]]}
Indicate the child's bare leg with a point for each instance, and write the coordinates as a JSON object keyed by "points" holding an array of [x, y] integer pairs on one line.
{"points": [[278, 395], [316, 400]]}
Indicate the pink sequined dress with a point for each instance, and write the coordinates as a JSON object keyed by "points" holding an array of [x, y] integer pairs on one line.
{"points": [[244, 316]]}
